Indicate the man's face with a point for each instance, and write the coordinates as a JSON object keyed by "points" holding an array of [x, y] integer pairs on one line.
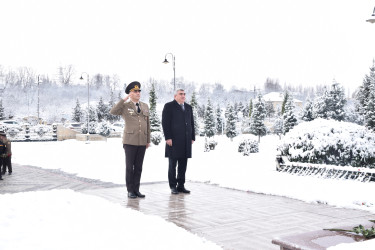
{"points": [[135, 95], [180, 97]]}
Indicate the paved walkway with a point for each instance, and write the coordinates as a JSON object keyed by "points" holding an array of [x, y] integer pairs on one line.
{"points": [[231, 218]]}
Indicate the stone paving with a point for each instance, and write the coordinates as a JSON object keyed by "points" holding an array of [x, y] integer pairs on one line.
{"points": [[232, 219]]}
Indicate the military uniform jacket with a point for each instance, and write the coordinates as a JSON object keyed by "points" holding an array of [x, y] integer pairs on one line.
{"points": [[8, 146], [137, 125]]}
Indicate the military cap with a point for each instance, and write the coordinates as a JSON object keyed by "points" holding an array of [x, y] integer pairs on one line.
{"points": [[2, 133], [133, 86]]}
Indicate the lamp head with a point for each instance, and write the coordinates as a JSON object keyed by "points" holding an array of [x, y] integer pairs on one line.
{"points": [[165, 61], [81, 78]]}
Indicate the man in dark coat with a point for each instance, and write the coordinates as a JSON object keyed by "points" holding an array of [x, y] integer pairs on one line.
{"points": [[178, 128]]}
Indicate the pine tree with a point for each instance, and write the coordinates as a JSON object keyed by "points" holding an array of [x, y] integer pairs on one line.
{"points": [[201, 110], [194, 105], [92, 115], [193, 102], [370, 109], [289, 118], [77, 112], [101, 110], [240, 109], [286, 97], [226, 113], [257, 126], [336, 102], [278, 127], [321, 107], [111, 103], [154, 118], [231, 130], [209, 121], [235, 109], [307, 113], [251, 107], [246, 110], [364, 90], [219, 121], [196, 122], [330, 105], [2, 111]]}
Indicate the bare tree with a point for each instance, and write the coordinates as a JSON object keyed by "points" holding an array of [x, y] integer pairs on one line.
{"points": [[98, 80], [66, 74], [272, 85]]}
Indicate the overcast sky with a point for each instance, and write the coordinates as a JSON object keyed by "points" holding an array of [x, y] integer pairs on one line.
{"points": [[234, 42]]}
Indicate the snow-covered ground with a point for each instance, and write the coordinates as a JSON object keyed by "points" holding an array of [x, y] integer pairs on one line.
{"points": [[64, 219], [105, 161], [223, 166]]}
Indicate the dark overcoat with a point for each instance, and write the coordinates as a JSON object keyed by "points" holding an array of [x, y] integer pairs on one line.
{"points": [[178, 125]]}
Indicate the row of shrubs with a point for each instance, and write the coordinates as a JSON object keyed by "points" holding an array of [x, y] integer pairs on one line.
{"points": [[330, 142]]}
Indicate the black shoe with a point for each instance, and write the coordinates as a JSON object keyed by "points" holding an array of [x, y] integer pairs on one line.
{"points": [[137, 193], [174, 190], [183, 190], [132, 195], [3, 173], [10, 173], [1, 179]]}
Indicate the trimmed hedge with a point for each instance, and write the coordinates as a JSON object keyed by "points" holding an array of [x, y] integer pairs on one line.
{"points": [[330, 142]]}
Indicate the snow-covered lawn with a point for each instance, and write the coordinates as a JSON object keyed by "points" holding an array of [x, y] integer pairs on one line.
{"points": [[223, 166], [64, 219], [63, 216]]}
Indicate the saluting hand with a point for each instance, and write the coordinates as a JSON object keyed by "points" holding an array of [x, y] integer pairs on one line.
{"points": [[169, 142], [126, 98]]}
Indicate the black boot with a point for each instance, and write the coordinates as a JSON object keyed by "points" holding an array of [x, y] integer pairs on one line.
{"points": [[137, 193], [183, 190], [174, 190], [132, 195]]}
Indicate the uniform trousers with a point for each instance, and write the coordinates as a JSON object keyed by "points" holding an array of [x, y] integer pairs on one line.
{"points": [[134, 156], [7, 162], [181, 170]]}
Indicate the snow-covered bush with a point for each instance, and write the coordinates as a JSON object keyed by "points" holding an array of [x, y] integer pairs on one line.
{"points": [[103, 129], [247, 146], [40, 129], [12, 132], [209, 145], [212, 144], [330, 142], [156, 137], [92, 129]]}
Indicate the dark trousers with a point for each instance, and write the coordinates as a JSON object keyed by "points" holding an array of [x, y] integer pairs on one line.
{"points": [[134, 156], [181, 170], [7, 162], [1, 164]]}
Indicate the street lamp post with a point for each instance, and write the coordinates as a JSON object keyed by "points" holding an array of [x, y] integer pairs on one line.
{"points": [[372, 18], [174, 68], [38, 99], [88, 103]]}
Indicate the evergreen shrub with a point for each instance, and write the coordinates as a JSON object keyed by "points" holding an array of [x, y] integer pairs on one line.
{"points": [[330, 142]]}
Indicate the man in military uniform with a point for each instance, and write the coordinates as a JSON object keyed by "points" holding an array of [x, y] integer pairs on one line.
{"points": [[6, 157], [136, 138]]}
